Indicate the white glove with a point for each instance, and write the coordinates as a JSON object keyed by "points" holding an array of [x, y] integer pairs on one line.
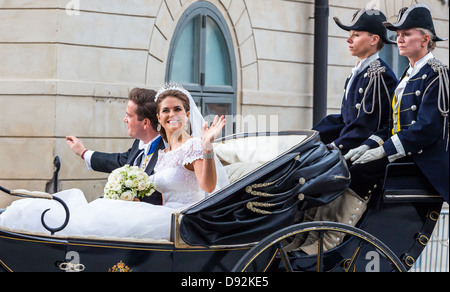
{"points": [[356, 153], [371, 155]]}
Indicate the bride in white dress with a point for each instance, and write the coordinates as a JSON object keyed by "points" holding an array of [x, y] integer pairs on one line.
{"points": [[184, 172]]}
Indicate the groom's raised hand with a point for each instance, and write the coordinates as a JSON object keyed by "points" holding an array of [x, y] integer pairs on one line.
{"points": [[76, 145]]}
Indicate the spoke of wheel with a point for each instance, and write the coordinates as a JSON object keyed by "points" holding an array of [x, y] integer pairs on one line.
{"points": [[285, 258], [355, 257], [272, 243], [320, 252]]}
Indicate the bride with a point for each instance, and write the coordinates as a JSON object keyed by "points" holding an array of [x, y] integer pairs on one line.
{"points": [[185, 170]]}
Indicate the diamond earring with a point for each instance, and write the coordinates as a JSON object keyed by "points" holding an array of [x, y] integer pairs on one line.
{"points": [[158, 128]]}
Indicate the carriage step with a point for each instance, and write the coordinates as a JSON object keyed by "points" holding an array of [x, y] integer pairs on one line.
{"points": [[411, 195], [404, 182]]}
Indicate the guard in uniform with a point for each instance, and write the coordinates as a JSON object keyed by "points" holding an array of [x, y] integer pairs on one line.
{"points": [[420, 108], [367, 91], [364, 119]]}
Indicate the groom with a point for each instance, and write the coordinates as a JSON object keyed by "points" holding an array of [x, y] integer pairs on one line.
{"points": [[142, 122]]}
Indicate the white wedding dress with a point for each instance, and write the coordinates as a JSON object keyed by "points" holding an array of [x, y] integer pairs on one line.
{"points": [[113, 218]]}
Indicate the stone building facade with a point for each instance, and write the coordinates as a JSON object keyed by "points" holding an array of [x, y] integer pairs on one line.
{"points": [[66, 68]]}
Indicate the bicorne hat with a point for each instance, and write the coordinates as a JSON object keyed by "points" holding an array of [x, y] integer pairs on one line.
{"points": [[370, 20], [416, 16]]}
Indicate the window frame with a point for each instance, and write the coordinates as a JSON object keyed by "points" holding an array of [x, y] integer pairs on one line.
{"points": [[199, 91]]}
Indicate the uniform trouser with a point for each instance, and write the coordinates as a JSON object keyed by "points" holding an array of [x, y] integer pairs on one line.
{"points": [[366, 178]]}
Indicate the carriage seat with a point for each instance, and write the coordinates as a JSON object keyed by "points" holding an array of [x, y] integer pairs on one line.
{"points": [[404, 182], [242, 156]]}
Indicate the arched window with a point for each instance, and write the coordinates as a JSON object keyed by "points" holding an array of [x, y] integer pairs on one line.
{"points": [[201, 58]]}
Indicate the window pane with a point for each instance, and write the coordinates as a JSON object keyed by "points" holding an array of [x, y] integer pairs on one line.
{"points": [[213, 109], [397, 63], [218, 71], [185, 60]]}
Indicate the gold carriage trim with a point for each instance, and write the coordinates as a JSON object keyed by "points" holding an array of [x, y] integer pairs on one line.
{"points": [[434, 215], [252, 206], [250, 189], [410, 261], [423, 240]]}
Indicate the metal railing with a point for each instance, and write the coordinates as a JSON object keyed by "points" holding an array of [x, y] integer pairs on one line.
{"points": [[435, 257]]}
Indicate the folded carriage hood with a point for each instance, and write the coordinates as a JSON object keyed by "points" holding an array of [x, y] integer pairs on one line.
{"points": [[268, 199]]}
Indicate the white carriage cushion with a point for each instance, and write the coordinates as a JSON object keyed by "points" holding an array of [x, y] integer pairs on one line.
{"points": [[242, 156], [237, 170], [260, 149]]}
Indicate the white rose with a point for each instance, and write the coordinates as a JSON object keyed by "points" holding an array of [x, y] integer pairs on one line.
{"points": [[142, 186], [140, 175], [129, 183], [117, 187], [133, 171], [127, 196]]}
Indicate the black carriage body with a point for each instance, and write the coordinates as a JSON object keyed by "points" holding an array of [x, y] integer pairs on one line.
{"points": [[30, 253], [216, 233]]}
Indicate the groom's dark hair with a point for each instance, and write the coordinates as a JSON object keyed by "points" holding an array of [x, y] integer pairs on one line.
{"points": [[146, 105]]}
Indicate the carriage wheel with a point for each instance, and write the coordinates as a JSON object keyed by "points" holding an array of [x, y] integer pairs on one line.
{"points": [[262, 255]]}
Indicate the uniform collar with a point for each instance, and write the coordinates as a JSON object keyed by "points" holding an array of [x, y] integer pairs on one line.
{"points": [[363, 64], [419, 65], [360, 67]]}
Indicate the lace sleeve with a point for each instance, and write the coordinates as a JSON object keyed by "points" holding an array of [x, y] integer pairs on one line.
{"points": [[193, 151]]}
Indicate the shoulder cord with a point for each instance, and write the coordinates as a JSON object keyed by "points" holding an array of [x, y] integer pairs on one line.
{"points": [[443, 94], [375, 73]]}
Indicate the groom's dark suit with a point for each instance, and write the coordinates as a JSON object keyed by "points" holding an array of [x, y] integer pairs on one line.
{"points": [[107, 162]]}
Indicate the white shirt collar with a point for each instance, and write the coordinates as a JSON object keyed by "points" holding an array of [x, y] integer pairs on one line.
{"points": [[409, 74], [147, 146], [419, 64]]}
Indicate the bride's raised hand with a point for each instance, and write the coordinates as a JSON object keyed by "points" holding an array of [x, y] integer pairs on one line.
{"points": [[211, 133]]}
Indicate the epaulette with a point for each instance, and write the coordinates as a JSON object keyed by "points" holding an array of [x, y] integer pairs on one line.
{"points": [[375, 69], [437, 65]]}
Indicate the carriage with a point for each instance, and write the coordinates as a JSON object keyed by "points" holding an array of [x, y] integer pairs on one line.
{"points": [[246, 226]]}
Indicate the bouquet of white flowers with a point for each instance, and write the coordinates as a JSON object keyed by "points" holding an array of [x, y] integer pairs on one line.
{"points": [[127, 183]]}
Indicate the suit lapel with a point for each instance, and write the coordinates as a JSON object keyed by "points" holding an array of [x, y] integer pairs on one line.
{"points": [[134, 152]]}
